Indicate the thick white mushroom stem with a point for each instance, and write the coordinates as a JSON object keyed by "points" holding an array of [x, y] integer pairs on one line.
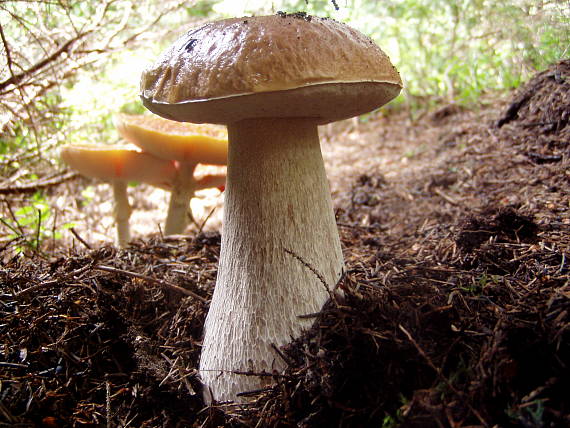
{"points": [[122, 212], [182, 192], [277, 210]]}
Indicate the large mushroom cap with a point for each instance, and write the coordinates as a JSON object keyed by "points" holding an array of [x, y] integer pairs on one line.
{"points": [[168, 139], [119, 163], [284, 65]]}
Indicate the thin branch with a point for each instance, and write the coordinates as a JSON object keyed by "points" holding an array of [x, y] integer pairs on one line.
{"points": [[153, 280], [15, 79], [79, 238], [7, 49], [38, 184]]}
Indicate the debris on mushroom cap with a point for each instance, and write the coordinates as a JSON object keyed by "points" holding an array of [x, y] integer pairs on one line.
{"points": [[321, 68], [119, 162], [298, 15], [168, 139]]}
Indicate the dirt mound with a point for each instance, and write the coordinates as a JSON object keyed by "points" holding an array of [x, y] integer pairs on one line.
{"points": [[504, 225], [107, 337], [434, 347], [539, 115]]}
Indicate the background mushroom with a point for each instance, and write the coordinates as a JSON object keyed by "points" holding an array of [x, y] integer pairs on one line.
{"points": [[272, 80], [118, 165], [188, 145]]}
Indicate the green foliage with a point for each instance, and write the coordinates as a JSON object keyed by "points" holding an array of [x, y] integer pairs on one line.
{"points": [[477, 286], [202, 9], [529, 414], [88, 194], [393, 421], [389, 422], [28, 225], [133, 107], [455, 49], [18, 140]]}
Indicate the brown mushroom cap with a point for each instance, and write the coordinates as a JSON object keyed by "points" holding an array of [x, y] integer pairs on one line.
{"points": [[285, 65]]}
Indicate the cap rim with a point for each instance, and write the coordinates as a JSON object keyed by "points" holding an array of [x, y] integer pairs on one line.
{"points": [[326, 102]]}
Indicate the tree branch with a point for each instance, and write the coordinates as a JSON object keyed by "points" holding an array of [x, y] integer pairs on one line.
{"points": [[15, 79]]}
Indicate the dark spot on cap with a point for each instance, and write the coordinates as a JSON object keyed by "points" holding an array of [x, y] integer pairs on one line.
{"points": [[190, 45]]}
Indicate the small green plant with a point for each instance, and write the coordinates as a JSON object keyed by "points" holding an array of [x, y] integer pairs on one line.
{"points": [[536, 412], [395, 420], [414, 152], [530, 414], [389, 422], [88, 194], [28, 226], [485, 279], [477, 285]]}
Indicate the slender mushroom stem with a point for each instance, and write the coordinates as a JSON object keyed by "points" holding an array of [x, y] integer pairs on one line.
{"points": [[182, 192], [277, 204], [122, 212]]}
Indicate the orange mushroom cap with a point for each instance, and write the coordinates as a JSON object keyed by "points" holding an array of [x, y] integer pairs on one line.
{"points": [[167, 139], [119, 163]]}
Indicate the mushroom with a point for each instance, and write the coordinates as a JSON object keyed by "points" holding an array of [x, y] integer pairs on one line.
{"points": [[119, 164], [272, 80], [188, 145]]}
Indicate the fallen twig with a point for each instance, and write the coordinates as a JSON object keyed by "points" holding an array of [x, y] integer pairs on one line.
{"points": [[154, 280]]}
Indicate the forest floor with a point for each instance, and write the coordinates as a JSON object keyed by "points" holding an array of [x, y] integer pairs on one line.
{"points": [[456, 233]]}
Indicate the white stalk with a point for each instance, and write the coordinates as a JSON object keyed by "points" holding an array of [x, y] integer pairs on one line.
{"points": [[182, 192], [122, 212], [277, 201]]}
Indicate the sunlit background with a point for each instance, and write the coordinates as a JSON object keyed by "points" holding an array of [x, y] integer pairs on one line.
{"points": [[66, 68]]}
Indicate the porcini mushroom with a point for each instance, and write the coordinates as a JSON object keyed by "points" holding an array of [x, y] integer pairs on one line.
{"points": [[271, 80], [185, 143], [119, 164]]}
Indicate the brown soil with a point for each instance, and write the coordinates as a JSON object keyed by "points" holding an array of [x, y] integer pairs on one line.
{"points": [[456, 229]]}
